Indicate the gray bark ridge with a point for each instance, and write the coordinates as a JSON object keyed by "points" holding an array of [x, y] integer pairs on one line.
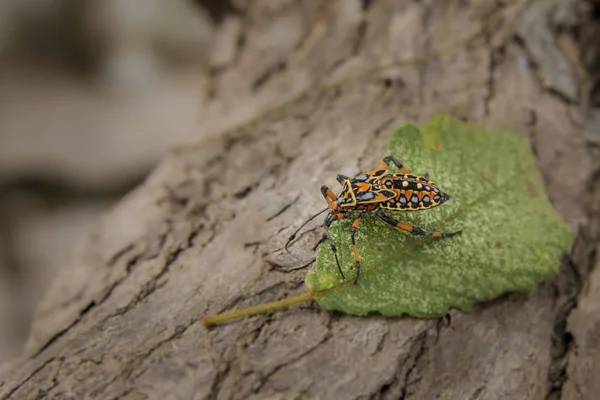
{"points": [[204, 233]]}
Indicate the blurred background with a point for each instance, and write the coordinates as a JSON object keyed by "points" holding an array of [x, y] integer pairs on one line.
{"points": [[92, 94]]}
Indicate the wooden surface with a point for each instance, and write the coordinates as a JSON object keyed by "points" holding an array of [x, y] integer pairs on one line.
{"points": [[205, 232]]}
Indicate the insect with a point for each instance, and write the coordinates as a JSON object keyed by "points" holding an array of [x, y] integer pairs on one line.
{"points": [[373, 192]]}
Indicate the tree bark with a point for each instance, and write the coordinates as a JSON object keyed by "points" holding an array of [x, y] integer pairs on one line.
{"points": [[322, 85]]}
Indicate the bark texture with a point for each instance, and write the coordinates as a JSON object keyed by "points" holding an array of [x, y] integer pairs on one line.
{"points": [[327, 83]]}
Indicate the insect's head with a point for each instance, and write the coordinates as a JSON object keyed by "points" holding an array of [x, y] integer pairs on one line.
{"points": [[334, 207], [345, 199]]}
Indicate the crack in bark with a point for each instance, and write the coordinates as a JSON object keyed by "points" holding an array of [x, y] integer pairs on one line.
{"points": [[241, 194], [411, 377], [286, 270], [533, 137], [129, 266], [226, 364], [407, 367], [217, 383], [82, 314], [29, 377], [568, 287], [537, 73], [99, 390], [115, 257], [43, 393], [152, 284], [495, 53], [575, 268], [361, 31], [268, 75], [123, 394], [283, 209], [407, 375], [128, 371], [265, 378], [477, 392]]}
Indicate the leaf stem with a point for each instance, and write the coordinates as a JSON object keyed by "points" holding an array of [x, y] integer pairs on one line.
{"points": [[261, 308]]}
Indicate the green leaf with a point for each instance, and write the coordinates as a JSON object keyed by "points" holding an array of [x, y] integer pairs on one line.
{"points": [[512, 237]]}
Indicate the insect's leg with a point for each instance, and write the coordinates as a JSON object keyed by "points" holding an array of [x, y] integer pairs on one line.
{"points": [[328, 221], [334, 250], [324, 237], [354, 248], [328, 194], [341, 178], [385, 163], [415, 230]]}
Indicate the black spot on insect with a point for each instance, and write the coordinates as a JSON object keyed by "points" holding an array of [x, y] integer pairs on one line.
{"points": [[380, 172], [388, 193], [388, 184], [365, 196], [361, 178]]}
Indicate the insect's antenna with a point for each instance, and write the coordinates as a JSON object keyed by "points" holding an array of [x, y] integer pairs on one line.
{"points": [[293, 236]]}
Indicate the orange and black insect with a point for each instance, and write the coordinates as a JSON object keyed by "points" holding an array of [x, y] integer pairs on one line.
{"points": [[373, 192]]}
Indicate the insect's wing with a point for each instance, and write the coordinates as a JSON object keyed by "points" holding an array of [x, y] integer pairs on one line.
{"points": [[375, 196]]}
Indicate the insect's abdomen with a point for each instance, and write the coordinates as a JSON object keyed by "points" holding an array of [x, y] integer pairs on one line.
{"points": [[412, 193]]}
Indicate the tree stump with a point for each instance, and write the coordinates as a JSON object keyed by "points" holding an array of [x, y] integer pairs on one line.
{"points": [[322, 85]]}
